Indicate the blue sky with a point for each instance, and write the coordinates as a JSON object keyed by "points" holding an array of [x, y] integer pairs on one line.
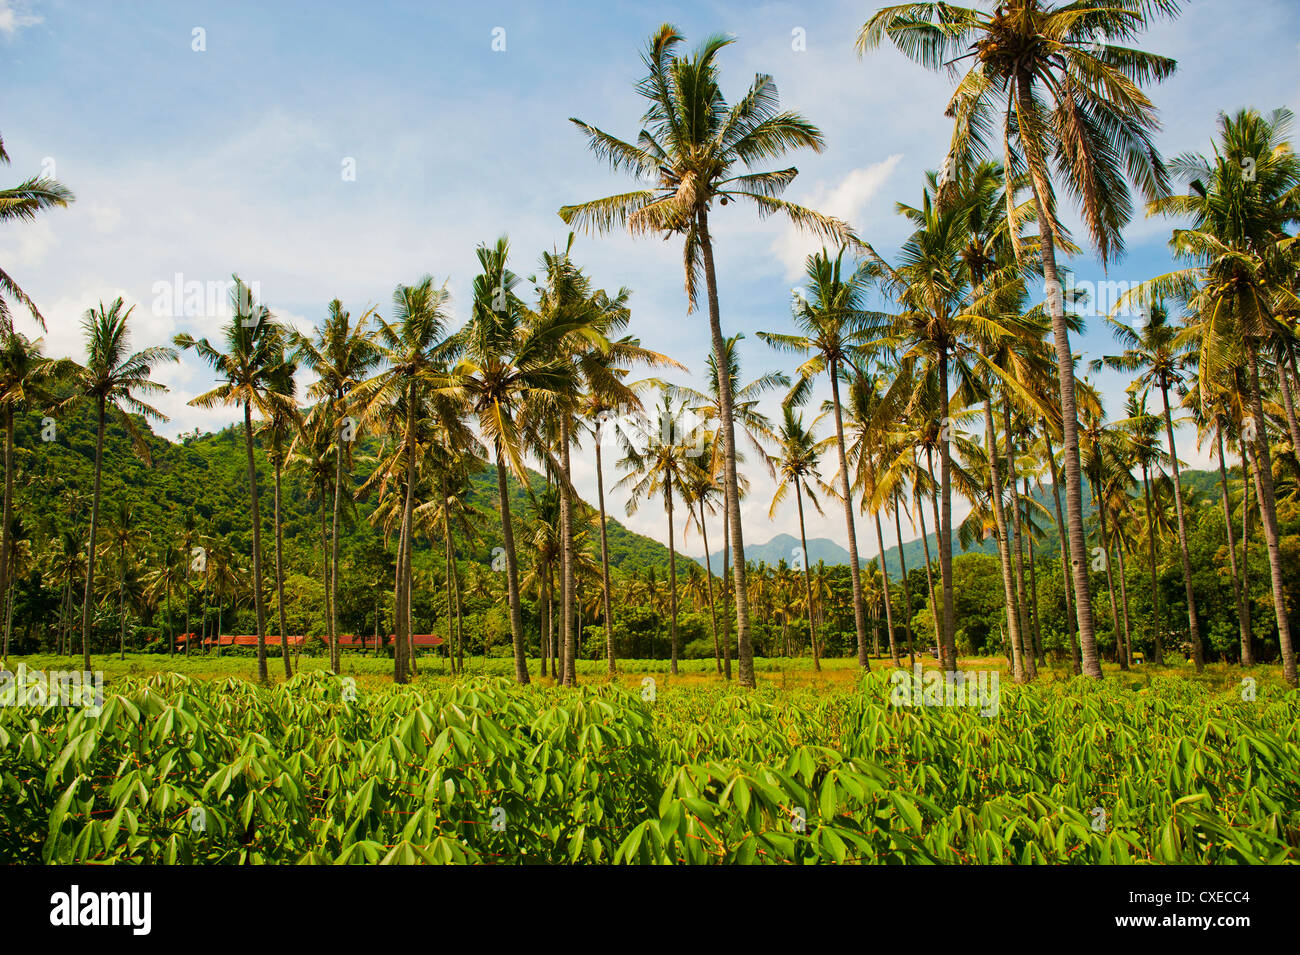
{"points": [[232, 158]]}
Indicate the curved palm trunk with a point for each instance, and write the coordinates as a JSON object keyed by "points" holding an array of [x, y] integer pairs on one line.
{"points": [[1157, 624], [1193, 628], [1017, 550], [258, 604], [744, 648], [1268, 514], [1004, 550], [672, 572], [1286, 358], [807, 579], [855, 572], [604, 571], [512, 572], [1065, 373], [569, 674], [889, 603], [1071, 619], [279, 579], [90, 547]]}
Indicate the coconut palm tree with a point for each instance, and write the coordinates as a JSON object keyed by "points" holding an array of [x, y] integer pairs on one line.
{"points": [[833, 331], [695, 149], [27, 381], [508, 355], [658, 464], [1240, 204], [1059, 83], [416, 349], [248, 372], [702, 491], [281, 427], [1161, 358], [341, 354], [795, 463], [112, 379], [22, 203]]}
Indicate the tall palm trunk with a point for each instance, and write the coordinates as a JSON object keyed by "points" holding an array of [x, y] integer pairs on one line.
{"points": [[512, 571], [1193, 628], [929, 570], [402, 586], [672, 571], [1243, 610], [708, 580], [744, 648], [855, 572], [325, 565], [1099, 505], [1071, 618], [335, 655], [1126, 658], [945, 520], [90, 547], [6, 532], [279, 578], [726, 594], [1065, 373], [1268, 514], [1004, 550], [1033, 594], [1157, 624], [807, 578], [1016, 549], [889, 603], [604, 570], [121, 609], [258, 604], [907, 587], [569, 637], [1284, 363]]}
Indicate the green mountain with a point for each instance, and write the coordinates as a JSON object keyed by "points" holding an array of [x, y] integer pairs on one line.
{"points": [[206, 476]]}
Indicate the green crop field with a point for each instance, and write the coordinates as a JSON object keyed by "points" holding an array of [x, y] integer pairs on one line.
{"points": [[327, 769]]}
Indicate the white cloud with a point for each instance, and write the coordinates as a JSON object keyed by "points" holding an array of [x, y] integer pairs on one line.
{"points": [[849, 200], [14, 17]]}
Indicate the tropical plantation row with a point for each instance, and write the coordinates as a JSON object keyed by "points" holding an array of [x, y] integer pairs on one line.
{"points": [[421, 483]]}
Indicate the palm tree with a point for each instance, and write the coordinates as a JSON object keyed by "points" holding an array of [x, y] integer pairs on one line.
{"points": [[27, 379], [947, 325], [21, 203], [249, 372], [341, 355], [416, 349], [1162, 358], [111, 379], [833, 330], [701, 490], [1142, 450], [756, 427], [504, 359], [796, 464], [1056, 73], [282, 426], [694, 149], [658, 464], [1236, 287]]}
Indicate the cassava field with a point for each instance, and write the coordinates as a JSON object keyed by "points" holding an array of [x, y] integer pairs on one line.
{"points": [[208, 766]]}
